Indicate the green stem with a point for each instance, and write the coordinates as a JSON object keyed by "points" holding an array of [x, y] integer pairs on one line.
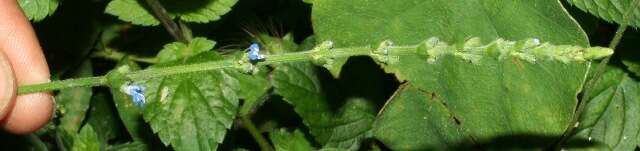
{"points": [[599, 71], [262, 142], [161, 14], [322, 54]]}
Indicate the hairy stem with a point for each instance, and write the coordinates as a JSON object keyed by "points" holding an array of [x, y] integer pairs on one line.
{"points": [[322, 54], [262, 142], [161, 14]]}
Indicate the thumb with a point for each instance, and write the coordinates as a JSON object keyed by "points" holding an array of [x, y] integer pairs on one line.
{"points": [[7, 85]]}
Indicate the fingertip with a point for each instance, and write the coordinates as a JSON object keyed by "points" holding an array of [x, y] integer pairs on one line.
{"points": [[7, 86], [29, 113]]}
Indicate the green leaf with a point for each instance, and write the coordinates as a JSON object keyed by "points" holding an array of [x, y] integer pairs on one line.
{"points": [[286, 141], [103, 117], [74, 102], [198, 11], [413, 120], [363, 22], [619, 11], [193, 111], [178, 50], [518, 93], [129, 113], [131, 11], [632, 66], [37, 10], [610, 117], [299, 85], [86, 140]]}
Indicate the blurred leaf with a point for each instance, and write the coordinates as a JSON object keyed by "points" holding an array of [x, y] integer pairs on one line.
{"points": [[363, 22], [618, 11], [299, 85], [103, 117], [86, 140], [193, 111], [129, 113], [199, 11], [74, 102], [37, 10], [632, 66], [287, 141], [610, 117], [517, 93], [134, 146], [178, 50]]}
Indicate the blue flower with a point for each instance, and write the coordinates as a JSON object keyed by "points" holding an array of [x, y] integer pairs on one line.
{"points": [[254, 53], [137, 94]]}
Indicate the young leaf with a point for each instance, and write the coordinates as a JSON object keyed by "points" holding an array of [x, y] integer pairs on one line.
{"points": [[193, 111], [199, 11], [86, 140], [74, 102], [610, 117], [178, 50], [286, 141], [362, 22], [37, 10], [619, 11]]}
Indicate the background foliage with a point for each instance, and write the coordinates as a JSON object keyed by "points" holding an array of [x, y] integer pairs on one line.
{"points": [[501, 75]]}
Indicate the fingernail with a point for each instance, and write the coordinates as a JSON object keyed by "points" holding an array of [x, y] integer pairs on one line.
{"points": [[7, 85]]}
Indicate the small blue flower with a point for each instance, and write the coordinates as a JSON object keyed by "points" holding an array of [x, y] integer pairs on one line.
{"points": [[254, 53], [137, 94]]}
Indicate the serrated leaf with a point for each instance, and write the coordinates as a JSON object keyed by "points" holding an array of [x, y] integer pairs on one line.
{"points": [[489, 94], [290, 141], [74, 102], [131, 11], [619, 11], [193, 111], [299, 85], [199, 11], [610, 118], [177, 50], [37, 10], [86, 140], [362, 22]]}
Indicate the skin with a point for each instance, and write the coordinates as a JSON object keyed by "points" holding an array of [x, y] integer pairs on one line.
{"points": [[21, 63]]}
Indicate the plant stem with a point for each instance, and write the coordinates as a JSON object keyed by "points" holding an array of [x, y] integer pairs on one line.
{"points": [[599, 70], [262, 142], [161, 14], [57, 85], [320, 55]]}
